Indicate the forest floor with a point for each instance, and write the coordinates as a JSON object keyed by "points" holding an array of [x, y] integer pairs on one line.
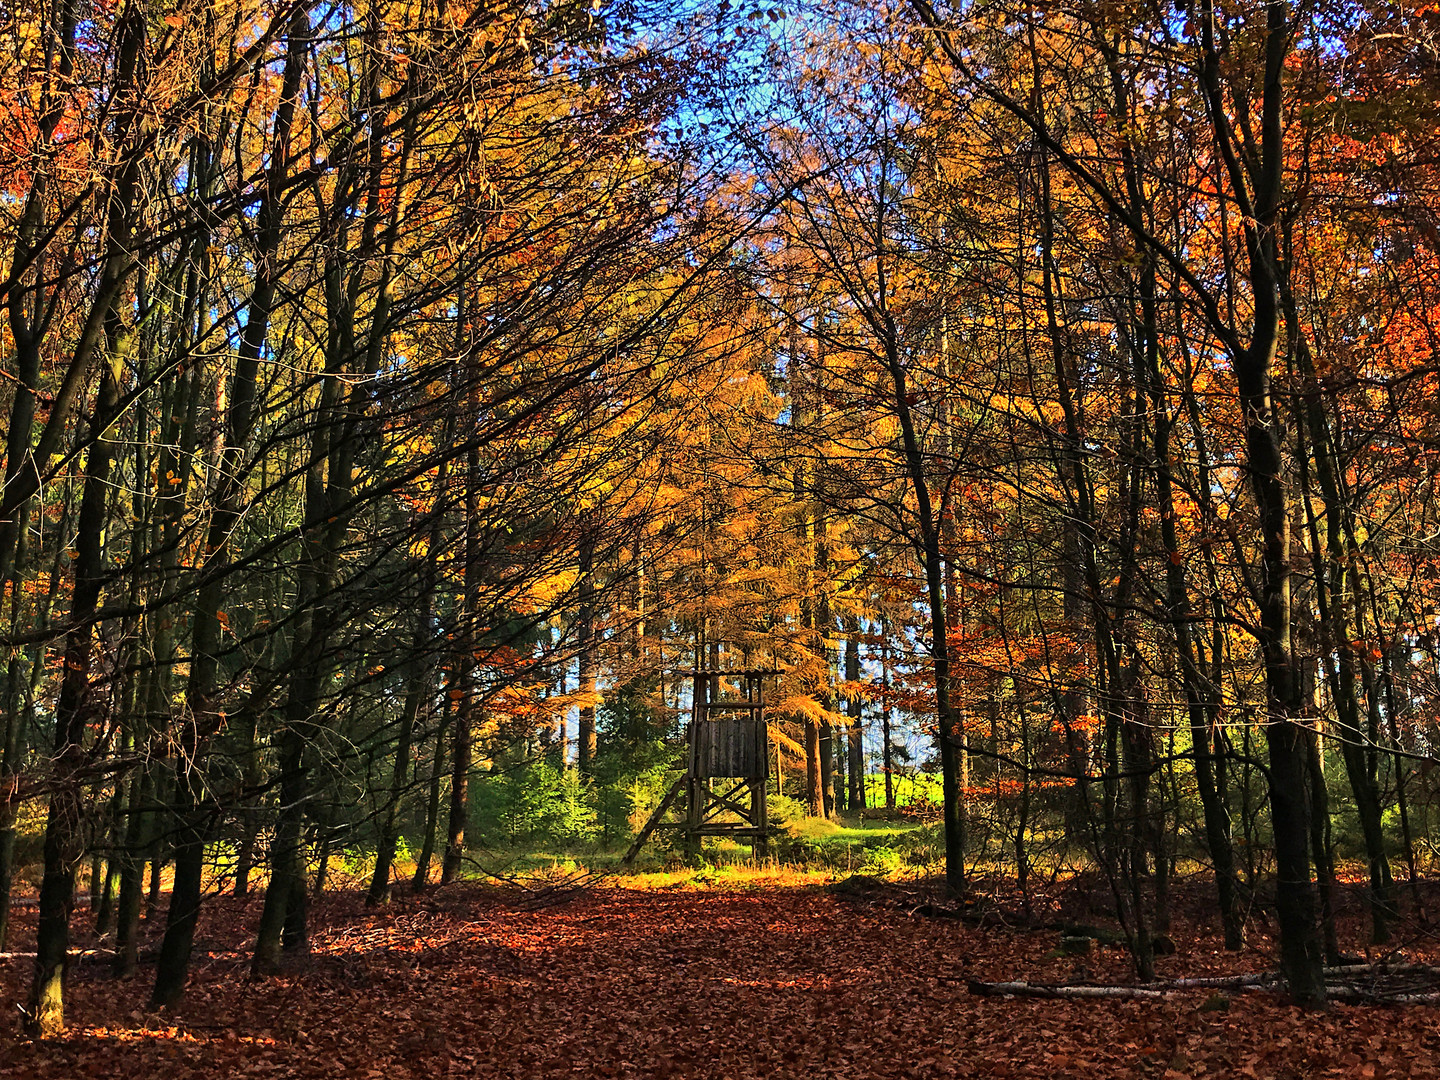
{"points": [[686, 982]]}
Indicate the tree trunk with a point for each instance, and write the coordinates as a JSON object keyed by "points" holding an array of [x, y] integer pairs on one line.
{"points": [[432, 801], [814, 793], [1335, 597], [415, 696], [63, 835], [248, 811], [104, 904], [132, 876], [855, 709], [588, 648], [287, 864], [1323, 847], [460, 757], [948, 734], [1301, 958], [173, 967], [465, 713], [417, 692], [825, 751], [887, 748]]}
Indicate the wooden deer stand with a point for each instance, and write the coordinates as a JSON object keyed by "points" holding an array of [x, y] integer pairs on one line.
{"points": [[726, 768]]}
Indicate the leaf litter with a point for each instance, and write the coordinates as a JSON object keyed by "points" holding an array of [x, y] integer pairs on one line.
{"points": [[738, 983]]}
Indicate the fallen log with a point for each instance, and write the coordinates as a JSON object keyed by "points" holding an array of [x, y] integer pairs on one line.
{"points": [[1366, 997], [1376, 984], [1053, 990], [1215, 982], [71, 954]]}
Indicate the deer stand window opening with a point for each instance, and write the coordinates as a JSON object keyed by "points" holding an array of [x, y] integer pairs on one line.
{"points": [[727, 766]]}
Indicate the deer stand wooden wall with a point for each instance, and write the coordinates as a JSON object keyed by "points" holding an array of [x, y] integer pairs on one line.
{"points": [[727, 766]]}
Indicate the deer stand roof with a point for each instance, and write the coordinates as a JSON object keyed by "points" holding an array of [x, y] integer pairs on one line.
{"points": [[722, 792]]}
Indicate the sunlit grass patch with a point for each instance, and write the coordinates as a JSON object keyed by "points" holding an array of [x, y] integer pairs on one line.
{"points": [[763, 874]]}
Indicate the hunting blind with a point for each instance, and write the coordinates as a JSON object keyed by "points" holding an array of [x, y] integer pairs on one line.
{"points": [[726, 766]]}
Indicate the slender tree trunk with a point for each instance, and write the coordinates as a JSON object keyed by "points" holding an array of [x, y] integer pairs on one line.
{"points": [[855, 709], [432, 801], [17, 718], [461, 745], [249, 813], [160, 845], [460, 749], [887, 747], [947, 511], [825, 751], [814, 793], [1200, 696], [588, 649], [1322, 845], [287, 864], [241, 410], [1335, 597], [1301, 956], [132, 876], [948, 726], [104, 904], [462, 742], [63, 834], [322, 870], [417, 692]]}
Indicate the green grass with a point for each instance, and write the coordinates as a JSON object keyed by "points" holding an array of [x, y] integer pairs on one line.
{"points": [[807, 847], [850, 827], [913, 788], [810, 851], [861, 830]]}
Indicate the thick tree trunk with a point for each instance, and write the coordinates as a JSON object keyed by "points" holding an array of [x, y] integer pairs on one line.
{"points": [[173, 965], [104, 328]]}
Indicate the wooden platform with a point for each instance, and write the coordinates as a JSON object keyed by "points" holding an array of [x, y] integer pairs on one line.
{"points": [[727, 766]]}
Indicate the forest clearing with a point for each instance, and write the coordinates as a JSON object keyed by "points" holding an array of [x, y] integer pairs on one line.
{"points": [[763, 978]]}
